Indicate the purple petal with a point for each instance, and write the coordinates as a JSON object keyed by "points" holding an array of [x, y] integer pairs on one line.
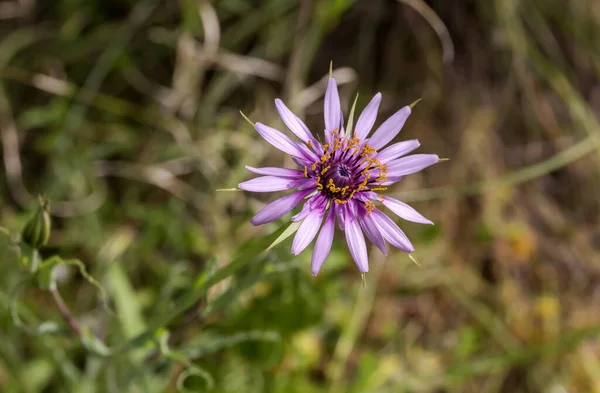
{"points": [[372, 232], [317, 147], [316, 202], [301, 215], [389, 129], [324, 241], [304, 183], [283, 142], [404, 211], [356, 244], [332, 109], [411, 164], [367, 118], [302, 162], [341, 213], [270, 184], [307, 231], [391, 232], [308, 154], [279, 208], [391, 180], [292, 121], [397, 150], [279, 172]]}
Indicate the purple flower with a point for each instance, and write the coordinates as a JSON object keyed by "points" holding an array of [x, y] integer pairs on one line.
{"points": [[340, 180]]}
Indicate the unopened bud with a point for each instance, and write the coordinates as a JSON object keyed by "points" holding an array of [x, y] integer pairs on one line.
{"points": [[37, 231]]}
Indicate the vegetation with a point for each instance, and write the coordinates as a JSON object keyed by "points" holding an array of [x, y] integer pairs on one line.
{"points": [[125, 115]]}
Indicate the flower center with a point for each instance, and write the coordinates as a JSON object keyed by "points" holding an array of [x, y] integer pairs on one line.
{"points": [[343, 171], [346, 168]]}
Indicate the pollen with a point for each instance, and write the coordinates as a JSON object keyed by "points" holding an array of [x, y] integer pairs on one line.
{"points": [[346, 168]]}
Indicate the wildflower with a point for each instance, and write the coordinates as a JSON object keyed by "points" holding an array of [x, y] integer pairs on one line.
{"points": [[341, 180]]}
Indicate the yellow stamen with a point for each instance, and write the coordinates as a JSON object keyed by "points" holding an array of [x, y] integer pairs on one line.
{"points": [[318, 183], [370, 206]]}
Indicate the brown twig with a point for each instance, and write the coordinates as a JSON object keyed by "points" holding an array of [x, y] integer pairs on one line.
{"points": [[65, 312]]}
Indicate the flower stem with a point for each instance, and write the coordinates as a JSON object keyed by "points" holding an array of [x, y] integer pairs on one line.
{"points": [[65, 312]]}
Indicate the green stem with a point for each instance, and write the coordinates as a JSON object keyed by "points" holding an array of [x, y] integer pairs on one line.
{"points": [[559, 160]]}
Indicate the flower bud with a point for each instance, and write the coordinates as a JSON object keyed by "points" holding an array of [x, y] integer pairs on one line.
{"points": [[37, 230]]}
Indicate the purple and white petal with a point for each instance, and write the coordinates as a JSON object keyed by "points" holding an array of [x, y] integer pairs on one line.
{"points": [[303, 183], [282, 142], [389, 129], [308, 154], [404, 211], [315, 202], [391, 232], [391, 180], [332, 109], [301, 162], [267, 184], [324, 241], [367, 118], [341, 213], [370, 229], [279, 208], [411, 164], [307, 231], [293, 122], [397, 150], [279, 172], [356, 244], [304, 212]]}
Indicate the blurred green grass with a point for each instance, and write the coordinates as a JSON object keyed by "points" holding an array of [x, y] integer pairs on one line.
{"points": [[125, 113]]}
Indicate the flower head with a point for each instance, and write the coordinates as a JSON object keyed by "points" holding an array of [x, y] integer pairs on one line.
{"points": [[341, 180]]}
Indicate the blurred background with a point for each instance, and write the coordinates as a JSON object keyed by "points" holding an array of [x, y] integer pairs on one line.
{"points": [[126, 115]]}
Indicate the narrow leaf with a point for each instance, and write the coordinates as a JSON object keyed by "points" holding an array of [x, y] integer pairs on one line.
{"points": [[287, 233]]}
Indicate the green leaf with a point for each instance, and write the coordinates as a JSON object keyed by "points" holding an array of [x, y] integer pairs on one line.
{"points": [[211, 343], [125, 298], [46, 277], [287, 233], [56, 260], [351, 118], [247, 252], [192, 370], [93, 345], [30, 258], [43, 328], [10, 253]]}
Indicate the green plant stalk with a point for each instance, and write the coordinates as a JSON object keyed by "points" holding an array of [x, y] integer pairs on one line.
{"points": [[559, 160]]}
